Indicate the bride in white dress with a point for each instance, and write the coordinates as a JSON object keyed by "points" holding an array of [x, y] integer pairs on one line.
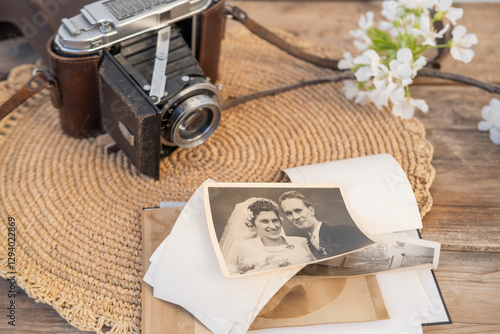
{"points": [[254, 240]]}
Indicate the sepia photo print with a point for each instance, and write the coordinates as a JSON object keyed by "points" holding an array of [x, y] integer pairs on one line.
{"points": [[267, 226]]}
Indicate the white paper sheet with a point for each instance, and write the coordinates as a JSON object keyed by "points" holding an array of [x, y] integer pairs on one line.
{"points": [[377, 190], [432, 307], [435, 311], [188, 273]]}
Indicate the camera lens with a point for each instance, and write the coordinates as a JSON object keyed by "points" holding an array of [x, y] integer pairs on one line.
{"points": [[195, 123], [191, 122]]}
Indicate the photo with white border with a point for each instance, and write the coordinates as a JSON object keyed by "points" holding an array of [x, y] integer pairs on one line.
{"points": [[261, 227]]}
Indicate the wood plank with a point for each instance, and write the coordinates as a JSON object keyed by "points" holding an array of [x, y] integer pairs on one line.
{"points": [[328, 23], [451, 126], [467, 229], [461, 186], [463, 329], [465, 214], [324, 23], [451, 107], [470, 283]]}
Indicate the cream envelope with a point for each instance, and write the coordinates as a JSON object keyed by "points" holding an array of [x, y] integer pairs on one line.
{"points": [[376, 187], [213, 323], [400, 299], [188, 274]]}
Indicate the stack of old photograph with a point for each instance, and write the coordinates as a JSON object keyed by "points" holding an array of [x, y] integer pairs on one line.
{"points": [[337, 249]]}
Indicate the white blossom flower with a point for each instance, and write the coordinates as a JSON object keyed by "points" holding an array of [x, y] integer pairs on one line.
{"points": [[401, 66], [352, 92], [385, 86], [418, 65], [346, 63], [495, 135], [364, 73], [411, 20], [392, 11], [452, 14], [388, 27], [362, 98], [379, 98], [350, 89], [381, 95], [398, 94], [405, 108], [366, 22], [371, 61], [383, 76], [361, 39], [424, 5], [491, 115], [461, 44], [427, 31], [404, 68]]}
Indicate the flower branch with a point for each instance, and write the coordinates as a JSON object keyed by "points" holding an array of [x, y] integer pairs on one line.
{"points": [[393, 54], [275, 91], [425, 72], [432, 73]]}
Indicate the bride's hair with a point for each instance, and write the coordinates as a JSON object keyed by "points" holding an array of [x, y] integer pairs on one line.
{"points": [[260, 205]]}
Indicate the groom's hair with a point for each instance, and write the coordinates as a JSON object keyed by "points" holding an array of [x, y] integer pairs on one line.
{"points": [[262, 205], [297, 195]]}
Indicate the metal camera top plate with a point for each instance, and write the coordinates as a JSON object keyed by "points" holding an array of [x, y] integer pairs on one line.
{"points": [[106, 22]]}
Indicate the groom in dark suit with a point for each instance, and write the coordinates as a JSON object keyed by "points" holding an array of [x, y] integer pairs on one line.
{"points": [[324, 240]]}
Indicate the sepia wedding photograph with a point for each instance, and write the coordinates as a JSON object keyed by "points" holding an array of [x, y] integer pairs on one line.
{"points": [[266, 226]]}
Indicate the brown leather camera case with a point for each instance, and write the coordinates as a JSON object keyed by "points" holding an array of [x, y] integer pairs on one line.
{"points": [[78, 80], [78, 77]]}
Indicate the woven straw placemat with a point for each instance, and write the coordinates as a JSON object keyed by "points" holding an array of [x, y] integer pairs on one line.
{"points": [[77, 211]]}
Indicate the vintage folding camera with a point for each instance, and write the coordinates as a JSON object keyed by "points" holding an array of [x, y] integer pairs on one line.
{"points": [[143, 71]]}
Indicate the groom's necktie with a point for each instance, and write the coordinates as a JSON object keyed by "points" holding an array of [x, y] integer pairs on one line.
{"points": [[314, 241]]}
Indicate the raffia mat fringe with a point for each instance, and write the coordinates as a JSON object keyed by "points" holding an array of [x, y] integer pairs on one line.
{"points": [[77, 211]]}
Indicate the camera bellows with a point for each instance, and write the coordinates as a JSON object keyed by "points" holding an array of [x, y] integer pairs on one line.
{"points": [[148, 128]]}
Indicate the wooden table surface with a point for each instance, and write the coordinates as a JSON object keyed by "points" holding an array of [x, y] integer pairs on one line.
{"points": [[465, 217]]}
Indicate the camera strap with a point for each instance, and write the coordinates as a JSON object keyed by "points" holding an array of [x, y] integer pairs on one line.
{"points": [[239, 15], [267, 35], [43, 79], [39, 81]]}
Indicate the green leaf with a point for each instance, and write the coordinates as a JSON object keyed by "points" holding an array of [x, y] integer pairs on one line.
{"points": [[377, 34], [439, 16]]}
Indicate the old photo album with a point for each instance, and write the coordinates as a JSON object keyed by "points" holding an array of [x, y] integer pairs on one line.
{"points": [[288, 257], [300, 301]]}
